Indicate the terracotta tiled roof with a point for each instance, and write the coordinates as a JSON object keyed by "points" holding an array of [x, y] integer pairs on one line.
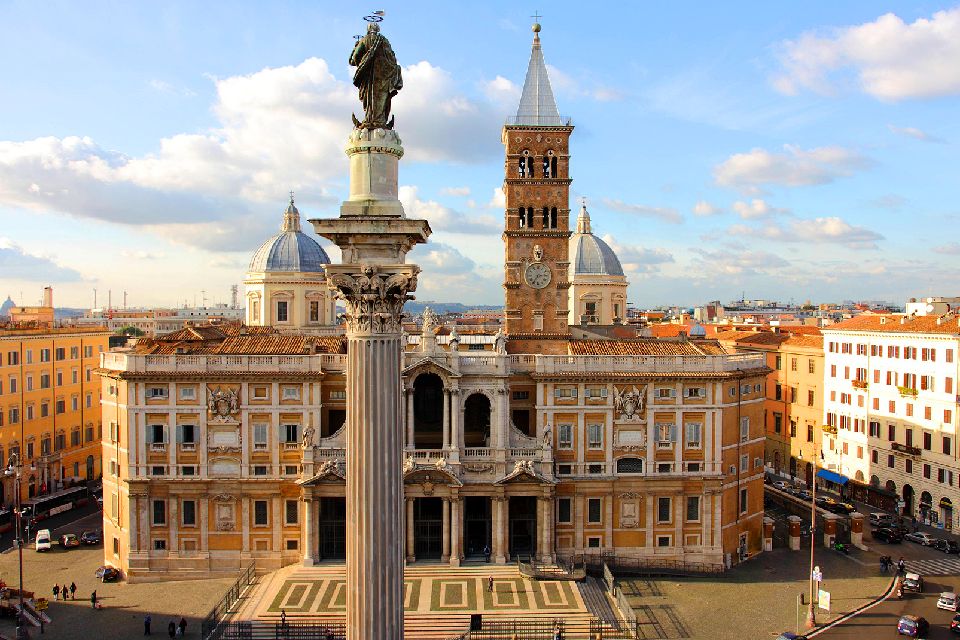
{"points": [[891, 323], [646, 347], [805, 341]]}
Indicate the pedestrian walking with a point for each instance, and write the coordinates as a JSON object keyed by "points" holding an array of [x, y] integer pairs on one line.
{"points": [[93, 599], [56, 591], [146, 624], [182, 627], [490, 584], [172, 629], [73, 590]]}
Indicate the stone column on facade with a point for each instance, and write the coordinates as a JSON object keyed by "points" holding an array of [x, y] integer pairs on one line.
{"points": [[308, 543], [374, 236], [445, 535], [456, 536], [410, 441], [411, 557], [499, 524], [446, 419]]}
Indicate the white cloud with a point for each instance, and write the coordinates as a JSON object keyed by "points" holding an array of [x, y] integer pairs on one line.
{"points": [[664, 214], [832, 230], [703, 208], [455, 191], [948, 249], [889, 58], [913, 132], [637, 259], [443, 218], [756, 208], [279, 128], [794, 167], [16, 263]]}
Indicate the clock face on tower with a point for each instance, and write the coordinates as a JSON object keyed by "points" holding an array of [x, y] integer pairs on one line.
{"points": [[537, 275]]}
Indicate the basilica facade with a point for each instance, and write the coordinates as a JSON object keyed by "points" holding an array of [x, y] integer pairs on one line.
{"points": [[226, 443]]}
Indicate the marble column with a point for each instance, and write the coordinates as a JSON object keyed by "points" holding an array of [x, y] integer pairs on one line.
{"points": [[410, 441], [410, 544], [308, 531], [456, 536], [445, 537], [446, 419], [374, 282]]}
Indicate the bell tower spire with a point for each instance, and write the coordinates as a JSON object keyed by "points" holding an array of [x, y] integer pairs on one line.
{"points": [[537, 222]]}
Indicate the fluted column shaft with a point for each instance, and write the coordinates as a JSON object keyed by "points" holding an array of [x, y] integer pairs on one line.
{"points": [[375, 508]]}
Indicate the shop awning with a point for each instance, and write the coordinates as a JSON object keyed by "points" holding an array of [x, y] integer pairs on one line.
{"points": [[831, 476]]}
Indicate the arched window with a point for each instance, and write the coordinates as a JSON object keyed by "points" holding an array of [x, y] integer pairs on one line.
{"points": [[630, 465]]}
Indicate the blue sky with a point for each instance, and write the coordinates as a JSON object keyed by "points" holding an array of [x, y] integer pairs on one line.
{"points": [[785, 150]]}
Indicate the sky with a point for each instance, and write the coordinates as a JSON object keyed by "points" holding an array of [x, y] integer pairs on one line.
{"points": [[788, 151]]}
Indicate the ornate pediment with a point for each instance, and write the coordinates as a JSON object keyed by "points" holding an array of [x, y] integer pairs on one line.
{"points": [[524, 471]]}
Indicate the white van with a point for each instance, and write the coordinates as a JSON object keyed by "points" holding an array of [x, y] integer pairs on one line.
{"points": [[43, 540]]}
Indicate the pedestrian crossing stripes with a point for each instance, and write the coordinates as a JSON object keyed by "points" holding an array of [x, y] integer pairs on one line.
{"points": [[935, 567]]}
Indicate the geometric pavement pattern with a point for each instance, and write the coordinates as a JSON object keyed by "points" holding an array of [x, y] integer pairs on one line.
{"points": [[434, 594]]}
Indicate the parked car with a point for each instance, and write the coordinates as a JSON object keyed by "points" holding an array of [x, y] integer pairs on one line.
{"points": [[920, 537], [888, 535], [948, 601], [947, 546], [91, 537], [106, 573], [42, 542], [913, 582], [878, 519], [69, 540], [912, 626], [955, 624]]}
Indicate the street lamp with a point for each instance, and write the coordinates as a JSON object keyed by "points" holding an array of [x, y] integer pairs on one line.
{"points": [[13, 469], [811, 609]]}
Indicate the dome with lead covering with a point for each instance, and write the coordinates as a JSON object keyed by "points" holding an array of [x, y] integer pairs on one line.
{"points": [[589, 255], [291, 250]]}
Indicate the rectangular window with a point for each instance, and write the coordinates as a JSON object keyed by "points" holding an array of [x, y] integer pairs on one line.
{"points": [[189, 513], [594, 506], [260, 436], [595, 436], [565, 436], [563, 510], [260, 513], [693, 508], [159, 512], [291, 511], [663, 510], [692, 434], [282, 311]]}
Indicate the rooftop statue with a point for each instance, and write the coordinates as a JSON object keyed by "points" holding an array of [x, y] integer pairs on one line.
{"points": [[377, 77]]}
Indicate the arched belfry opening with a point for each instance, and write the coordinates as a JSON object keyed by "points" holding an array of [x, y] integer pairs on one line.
{"points": [[476, 421], [428, 411]]}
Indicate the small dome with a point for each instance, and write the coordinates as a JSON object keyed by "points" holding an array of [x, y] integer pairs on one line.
{"points": [[290, 250], [589, 255]]}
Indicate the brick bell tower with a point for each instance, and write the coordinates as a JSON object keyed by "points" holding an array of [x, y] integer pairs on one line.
{"points": [[536, 232]]}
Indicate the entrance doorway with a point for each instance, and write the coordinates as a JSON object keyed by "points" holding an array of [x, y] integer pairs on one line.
{"points": [[428, 528], [333, 528], [476, 526], [523, 525]]}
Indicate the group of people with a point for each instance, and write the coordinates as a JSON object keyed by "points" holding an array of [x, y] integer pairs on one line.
{"points": [[886, 563], [64, 592], [174, 629]]}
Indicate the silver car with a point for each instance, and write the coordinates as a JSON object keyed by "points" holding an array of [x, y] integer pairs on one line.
{"points": [[920, 538]]}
